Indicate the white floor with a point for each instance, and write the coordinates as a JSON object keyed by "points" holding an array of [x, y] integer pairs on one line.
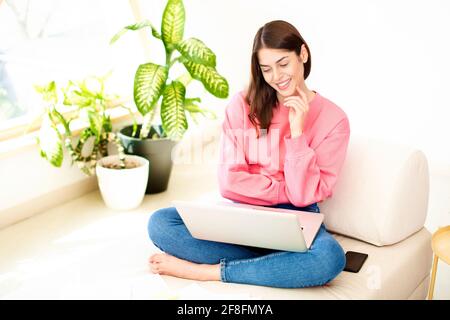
{"points": [[83, 250], [77, 250]]}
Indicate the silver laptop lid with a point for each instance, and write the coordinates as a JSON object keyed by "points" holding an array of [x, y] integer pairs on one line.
{"points": [[273, 228]]}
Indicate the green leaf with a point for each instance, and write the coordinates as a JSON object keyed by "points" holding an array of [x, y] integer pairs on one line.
{"points": [[134, 27], [173, 117], [48, 92], [50, 142], [107, 124], [92, 87], [73, 96], [66, 123], [149, 82], [194, 109], [95, 122], [192, 100], [195, 50], [172, 26], [211, 79]]}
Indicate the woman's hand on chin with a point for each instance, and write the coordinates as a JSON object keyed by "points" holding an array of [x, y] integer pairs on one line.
{"points": [[299, 108]]}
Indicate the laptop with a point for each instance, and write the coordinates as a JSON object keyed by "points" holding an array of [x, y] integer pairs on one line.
{"points": [[250, 225]]}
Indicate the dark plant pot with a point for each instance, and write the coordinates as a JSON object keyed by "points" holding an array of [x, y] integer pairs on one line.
{"points": [[157, 152]]}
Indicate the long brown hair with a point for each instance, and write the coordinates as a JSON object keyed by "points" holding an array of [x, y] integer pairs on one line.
{"points": [[261, 97]]}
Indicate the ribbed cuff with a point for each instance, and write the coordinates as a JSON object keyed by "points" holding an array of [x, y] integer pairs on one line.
{"points": [[222, 270]]}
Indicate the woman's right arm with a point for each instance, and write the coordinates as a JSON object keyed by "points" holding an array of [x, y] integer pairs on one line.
{"points": [[235, 180]]}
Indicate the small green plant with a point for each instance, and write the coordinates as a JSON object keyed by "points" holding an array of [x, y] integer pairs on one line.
{"points": [[89, 100], [152, 80]]}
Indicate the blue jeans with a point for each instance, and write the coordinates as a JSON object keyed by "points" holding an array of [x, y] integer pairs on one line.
{"points": [[324, 260]]}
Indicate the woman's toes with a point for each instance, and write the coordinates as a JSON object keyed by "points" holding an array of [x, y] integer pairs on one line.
{"points": [[154, 267], [159, 257], [155, 258]]}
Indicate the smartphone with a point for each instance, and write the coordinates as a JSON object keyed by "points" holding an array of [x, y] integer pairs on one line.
{"points": [[355, 261]]}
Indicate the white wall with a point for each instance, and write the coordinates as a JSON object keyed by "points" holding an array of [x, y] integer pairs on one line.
{"points": [[386, 63]]}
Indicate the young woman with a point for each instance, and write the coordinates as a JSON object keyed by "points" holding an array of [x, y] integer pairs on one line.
{"points": [[283, 146]]}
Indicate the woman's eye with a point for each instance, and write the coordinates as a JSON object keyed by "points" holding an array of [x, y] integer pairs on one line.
{"points": [[284, 65], [266, 70]]}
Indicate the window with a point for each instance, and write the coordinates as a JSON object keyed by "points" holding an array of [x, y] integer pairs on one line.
{"points": [[45, 40]]}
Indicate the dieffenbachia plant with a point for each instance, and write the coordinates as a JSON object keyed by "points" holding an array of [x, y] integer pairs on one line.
{"points": [[152, 80], [90, 102]]}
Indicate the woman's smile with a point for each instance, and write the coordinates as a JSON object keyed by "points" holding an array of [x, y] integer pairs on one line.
{"points": [[284, 85]]}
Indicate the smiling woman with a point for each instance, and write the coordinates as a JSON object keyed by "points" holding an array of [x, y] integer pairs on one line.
{"points": [[47, 40], [307, 143]]}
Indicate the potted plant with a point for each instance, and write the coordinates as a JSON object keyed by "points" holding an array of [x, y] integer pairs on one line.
{"points": [[155, 90], [122, 179]]}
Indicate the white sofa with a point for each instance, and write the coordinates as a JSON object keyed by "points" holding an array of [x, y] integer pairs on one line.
{"points": [[379, 207]]}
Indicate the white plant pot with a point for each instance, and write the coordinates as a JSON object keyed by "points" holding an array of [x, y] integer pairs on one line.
{"points": [[122, 189]]}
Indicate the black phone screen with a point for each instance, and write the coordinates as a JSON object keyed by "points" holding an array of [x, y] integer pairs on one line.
{"points": [[354, 261]]}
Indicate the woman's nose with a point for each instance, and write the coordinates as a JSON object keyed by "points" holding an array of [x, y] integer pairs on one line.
{"points": [[275, 75]]}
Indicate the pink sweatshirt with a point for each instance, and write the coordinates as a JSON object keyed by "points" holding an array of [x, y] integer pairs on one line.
{"points": [[275, 168]]}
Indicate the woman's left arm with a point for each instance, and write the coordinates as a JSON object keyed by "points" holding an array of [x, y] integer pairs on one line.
{"points": [[311, 174]]}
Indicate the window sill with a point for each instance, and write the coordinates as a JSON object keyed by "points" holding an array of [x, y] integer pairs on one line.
{"points": [[11, 147]]}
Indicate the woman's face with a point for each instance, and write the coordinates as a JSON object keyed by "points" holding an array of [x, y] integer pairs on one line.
{"points": [[283, 70]]}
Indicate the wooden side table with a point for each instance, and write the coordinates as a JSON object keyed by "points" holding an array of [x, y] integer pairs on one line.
{"points": [[440, 243]]}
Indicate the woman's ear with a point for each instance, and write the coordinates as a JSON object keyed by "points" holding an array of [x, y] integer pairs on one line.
{"points": [[304, 54], [302, 58]]}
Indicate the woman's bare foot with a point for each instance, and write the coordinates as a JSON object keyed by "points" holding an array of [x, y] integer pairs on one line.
{"points": [[165, 264]]}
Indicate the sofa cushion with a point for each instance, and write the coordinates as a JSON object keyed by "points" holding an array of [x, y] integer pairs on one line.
{"points": [[381, 195]]}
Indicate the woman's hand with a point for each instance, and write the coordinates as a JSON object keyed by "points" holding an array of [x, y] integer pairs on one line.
{"points": [[299, 108]]}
